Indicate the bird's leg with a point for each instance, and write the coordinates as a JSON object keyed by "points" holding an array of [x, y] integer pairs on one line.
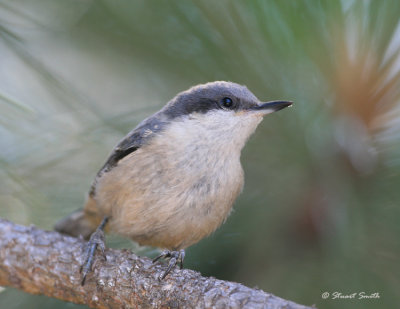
{"points": [[96, 241], [175, 257]]}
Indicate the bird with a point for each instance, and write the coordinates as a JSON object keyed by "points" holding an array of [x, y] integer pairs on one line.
{"points": [[173, 179]]}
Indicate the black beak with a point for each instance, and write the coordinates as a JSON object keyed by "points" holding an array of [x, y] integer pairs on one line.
{"points": [[273, 106]]}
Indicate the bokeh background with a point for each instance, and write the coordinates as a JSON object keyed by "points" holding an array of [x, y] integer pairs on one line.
{"points": [[320, 210]]}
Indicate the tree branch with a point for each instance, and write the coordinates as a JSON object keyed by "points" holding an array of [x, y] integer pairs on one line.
{"points": [[43, 262]]}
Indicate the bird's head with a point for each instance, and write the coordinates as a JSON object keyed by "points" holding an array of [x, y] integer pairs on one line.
{"points": [[226, 111]]}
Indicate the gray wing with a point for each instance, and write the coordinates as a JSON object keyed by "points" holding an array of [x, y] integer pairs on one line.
{"points": [[130, 143]]}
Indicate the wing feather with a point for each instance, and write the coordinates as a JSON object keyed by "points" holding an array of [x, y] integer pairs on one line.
{"points": [[140, 135]]}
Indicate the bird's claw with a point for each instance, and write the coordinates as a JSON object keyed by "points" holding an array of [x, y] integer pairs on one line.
{"points": [[175, 257], [96, 241]]}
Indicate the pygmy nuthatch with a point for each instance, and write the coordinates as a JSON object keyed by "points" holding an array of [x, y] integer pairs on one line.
{"points": [[174, 178]]}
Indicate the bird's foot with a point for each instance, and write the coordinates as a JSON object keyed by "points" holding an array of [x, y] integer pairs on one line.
{"points": [[174, 257], [96, 241]]}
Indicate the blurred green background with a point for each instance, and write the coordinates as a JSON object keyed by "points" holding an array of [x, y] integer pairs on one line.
{"points": [[320, 208]]}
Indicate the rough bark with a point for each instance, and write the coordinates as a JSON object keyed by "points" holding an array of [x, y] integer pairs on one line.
{"points": [[46, 262]]}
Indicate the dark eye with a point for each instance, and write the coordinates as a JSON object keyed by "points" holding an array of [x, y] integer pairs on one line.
{"points": [[227, 102]]}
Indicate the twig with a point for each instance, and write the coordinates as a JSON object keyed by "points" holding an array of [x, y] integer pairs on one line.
{"points": [[45, 262]]}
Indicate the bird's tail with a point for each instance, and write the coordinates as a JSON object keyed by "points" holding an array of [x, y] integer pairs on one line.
{"points": [[76, 224]]}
